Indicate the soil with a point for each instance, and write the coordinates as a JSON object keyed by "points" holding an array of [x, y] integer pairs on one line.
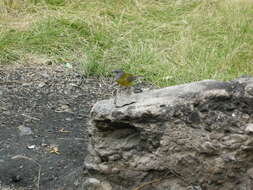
{"points": [[44, 112]]}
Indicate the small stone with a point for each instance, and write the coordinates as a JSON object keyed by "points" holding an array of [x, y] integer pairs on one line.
{"points": [[43, 144], [249, 89], [24, 130], [194, 117], [245, 116], [97, 160], [95, 184], [92, 181], [249, 128], [73, 84], [26, 84], [41, 84], [63, 108], [16, 178], [68, 119], [106, 186], [104, 168], [31, 146], [49, 62], [127, 155], [137, 90], [229, 157], [76, 183], [114, 157], [90, 166], [208, 147], [250, 173], [68, 65], [115, 170], [45, 75], [194, 188]]}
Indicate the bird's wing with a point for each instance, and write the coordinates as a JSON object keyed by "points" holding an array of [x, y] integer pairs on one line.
{"points": [[131, 77]]}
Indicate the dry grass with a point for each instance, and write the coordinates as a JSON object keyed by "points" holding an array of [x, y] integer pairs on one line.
{"points": [[169, 42]]}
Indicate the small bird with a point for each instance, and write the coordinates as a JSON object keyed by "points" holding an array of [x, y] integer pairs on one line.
{"points": [[124, 79]]}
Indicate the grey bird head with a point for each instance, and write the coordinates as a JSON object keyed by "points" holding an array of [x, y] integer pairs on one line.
{"points": [[118, 73]]}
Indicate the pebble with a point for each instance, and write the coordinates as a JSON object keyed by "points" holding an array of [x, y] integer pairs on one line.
{"points": [[41, 84], [31, 146], [250, 173], [114, 157], [24, 130], [249, 128], [69, 119], [27, 84], [92, 181]]}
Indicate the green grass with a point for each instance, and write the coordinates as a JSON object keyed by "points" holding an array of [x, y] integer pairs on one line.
{"points": [[169, 42]]}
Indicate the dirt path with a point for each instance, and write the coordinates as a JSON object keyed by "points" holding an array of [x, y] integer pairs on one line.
{"points": [[43, 116]]}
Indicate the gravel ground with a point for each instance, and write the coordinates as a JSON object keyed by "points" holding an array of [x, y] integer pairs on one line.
{"points": [[44, 112]]}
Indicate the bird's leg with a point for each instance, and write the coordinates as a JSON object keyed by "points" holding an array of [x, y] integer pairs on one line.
{"points": [[129, 90], [115, 92], [121, 90]]}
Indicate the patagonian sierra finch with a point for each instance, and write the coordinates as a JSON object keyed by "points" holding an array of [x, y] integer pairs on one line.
{"points": [[124, 79]]}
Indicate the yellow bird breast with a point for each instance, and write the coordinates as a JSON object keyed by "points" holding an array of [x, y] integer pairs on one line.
{"points": [[124, 80]]}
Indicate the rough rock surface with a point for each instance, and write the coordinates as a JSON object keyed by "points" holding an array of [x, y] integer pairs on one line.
{"points": [[193, 136]]}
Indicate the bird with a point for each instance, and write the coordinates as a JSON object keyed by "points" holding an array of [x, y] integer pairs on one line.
{"points": [[124, 79]]}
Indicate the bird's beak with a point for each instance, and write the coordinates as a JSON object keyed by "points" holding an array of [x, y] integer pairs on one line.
{"points": [[116, 71]]}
